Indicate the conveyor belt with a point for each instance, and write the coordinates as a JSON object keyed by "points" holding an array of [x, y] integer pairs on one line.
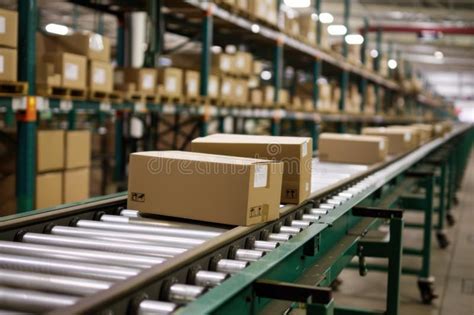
{"points": [[102, 251]]}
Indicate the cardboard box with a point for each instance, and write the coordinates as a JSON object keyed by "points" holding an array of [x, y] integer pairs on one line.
{"points": [[8, 64], [213, 86], [220, 189], [49, 150], [91, 45], [399, 141], [227, 89], [242, 4], [141, 79], [355, 149], [307, 28], [415, 132], [256, 97], [294, 152], [71, 67], [283, 96], [241, 91], [192, 81], [222, 63], [49, 189], [172, 81], [76, 184], [426, 132], [243, 63], [268, 95], [100, 76], [8, 28], [257, 67], [78, 149]]}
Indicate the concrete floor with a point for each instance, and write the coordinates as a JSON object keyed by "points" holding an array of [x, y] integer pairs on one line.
{"points": [[453, 268]]}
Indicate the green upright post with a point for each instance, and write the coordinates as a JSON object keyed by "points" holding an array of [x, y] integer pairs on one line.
{"points": [[341, 128], [317, 68], [207, 30], [377, 69], [26, 121], [363, 59], [154, 49], [119, 170], [442, 197], [428, 225], [277, 82]]}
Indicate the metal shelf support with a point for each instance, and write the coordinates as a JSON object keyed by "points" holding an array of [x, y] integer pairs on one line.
{"points": [[341, 128]]}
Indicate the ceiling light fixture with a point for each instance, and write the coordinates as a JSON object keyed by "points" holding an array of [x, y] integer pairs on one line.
{"points": [[298, 3], [354, 39], [58, 29], [326, 18], [337, 30], [392, 64], [438, 54], [374, 53]]}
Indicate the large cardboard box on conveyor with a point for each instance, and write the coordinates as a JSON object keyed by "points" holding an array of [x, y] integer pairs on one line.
{"points": [[399, 141], [354, 149], [205, 187], [416, 133], [294, 152]]}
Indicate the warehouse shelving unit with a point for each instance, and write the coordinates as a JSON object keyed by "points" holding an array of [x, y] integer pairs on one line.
{"points": [[207, 20]]}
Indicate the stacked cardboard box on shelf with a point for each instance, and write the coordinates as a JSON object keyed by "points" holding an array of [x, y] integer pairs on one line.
{"points": [[130, 80], [8, 45], [264, 10], [63, 161], [170, 82]]}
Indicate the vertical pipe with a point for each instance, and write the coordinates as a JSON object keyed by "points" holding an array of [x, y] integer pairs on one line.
{"points": [[207, 32], [377, 69], [26, 121], [345, 74], [317, 69], [155, 36], [363, 59]]}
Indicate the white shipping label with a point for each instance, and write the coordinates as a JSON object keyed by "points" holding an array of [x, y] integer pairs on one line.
{"points": [[226, 88], [147, 81], [71, 71], [171, 84], [98, 76], [2, 24], [96, 42], [225, 64], [2, 68], [407, 137], [381, 145], [304, 149], [240, 63], [192, 87], [212, 88], [261, 176]]}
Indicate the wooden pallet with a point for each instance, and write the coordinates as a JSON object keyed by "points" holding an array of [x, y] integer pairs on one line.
{"points": [[102, 96], [53, 91], [11, 88], [193, 100], [170, 99]]}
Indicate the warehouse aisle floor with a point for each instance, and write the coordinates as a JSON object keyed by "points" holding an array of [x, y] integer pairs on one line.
{"points": [[453, 268]]}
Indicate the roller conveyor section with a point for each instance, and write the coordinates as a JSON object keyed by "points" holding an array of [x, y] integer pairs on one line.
{"points": [[112, 246], [33, 301], [79, 255], [51, 283], [161, 240]]}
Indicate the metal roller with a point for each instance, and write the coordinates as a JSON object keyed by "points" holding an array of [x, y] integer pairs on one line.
{"points": [[248, 254], [345, 194], [310, 217], [290, 230], [155, 230], [300, 223], [184, 293], [319, 211], [33, 301], [81, 255], [340, 198], [149, 307], [130, 213], [206, 278], [265, 245], [66, 268], [160, 240], [75, 242], [51, 283], [153, 222], [231, 265], [327, 206], [334, 202], [279, 237]]}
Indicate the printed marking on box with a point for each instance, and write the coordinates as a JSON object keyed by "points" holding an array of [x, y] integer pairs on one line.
{"points": [[71, 71]]}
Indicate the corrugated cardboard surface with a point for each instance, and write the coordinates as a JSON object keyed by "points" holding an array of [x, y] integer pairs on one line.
{"points": [[93, 46], [356, 149], [71, 67], [8, 64], [49, 150], [76, 185], [294, 152], [399, 141], [78, 149], [191, 83], [100, 76], [205, 187], [144, 79], [9, 28], [172, 81], [49, 190], [416, 133]]}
